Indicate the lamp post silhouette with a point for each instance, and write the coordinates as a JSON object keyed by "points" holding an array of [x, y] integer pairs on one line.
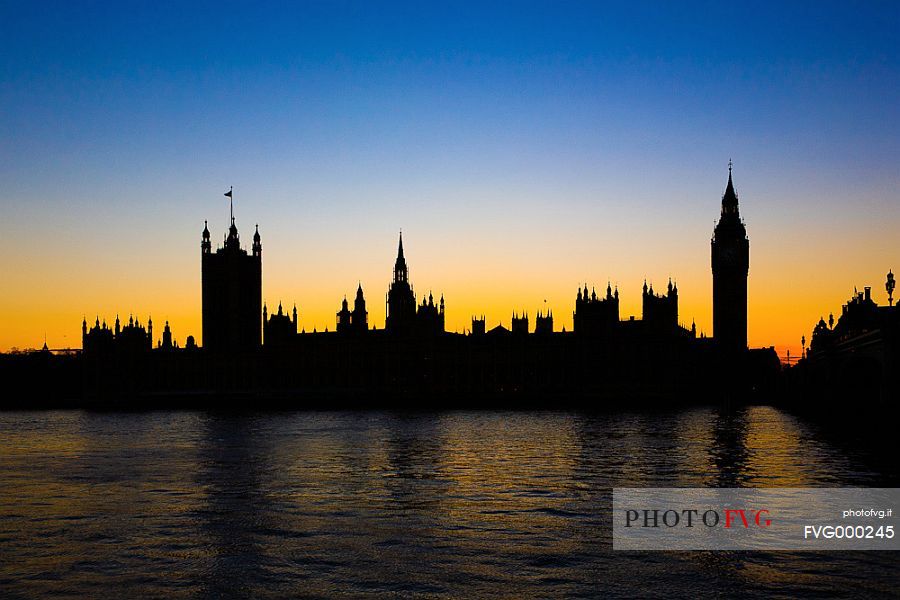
{"points": [[802, 346], [889, 287]]}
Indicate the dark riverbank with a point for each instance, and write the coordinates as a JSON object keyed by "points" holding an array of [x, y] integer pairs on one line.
{"points": [[452, 372]]}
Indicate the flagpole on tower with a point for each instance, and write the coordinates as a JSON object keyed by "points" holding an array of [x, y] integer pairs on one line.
{"points": [[230, 194]]}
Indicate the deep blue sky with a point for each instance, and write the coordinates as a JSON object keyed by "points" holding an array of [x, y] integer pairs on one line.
{"points": [[556, 141], [154, 83]]}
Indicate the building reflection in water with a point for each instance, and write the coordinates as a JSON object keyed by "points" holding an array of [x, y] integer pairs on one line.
{"points": [[232, 473], [280, 504]]}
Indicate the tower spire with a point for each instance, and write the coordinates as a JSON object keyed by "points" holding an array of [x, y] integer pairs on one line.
{"points": [[401, 273], [730, 199]]}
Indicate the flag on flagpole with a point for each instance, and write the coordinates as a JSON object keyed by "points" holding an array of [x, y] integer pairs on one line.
{"points": [[230, 203]]}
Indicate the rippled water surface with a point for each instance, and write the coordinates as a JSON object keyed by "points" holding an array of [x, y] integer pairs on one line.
{"points": [[170, 504]]}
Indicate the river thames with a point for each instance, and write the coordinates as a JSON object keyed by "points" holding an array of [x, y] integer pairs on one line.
{"points": [[454, 504]]}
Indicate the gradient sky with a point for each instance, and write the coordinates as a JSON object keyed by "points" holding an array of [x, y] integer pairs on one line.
{"points": [[523, 148]]}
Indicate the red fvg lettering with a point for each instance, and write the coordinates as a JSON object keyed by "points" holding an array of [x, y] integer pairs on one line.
{"points": [[729, 516], [731, 513]]}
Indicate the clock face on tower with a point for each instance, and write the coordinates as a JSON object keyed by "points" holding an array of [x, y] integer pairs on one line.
{"points": [[728, 256]]}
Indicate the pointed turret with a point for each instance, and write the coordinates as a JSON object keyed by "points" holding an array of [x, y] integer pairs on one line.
{"points": [[257, 242], [360, 317], [730, 199], [401, 272], [167, 337], [232, 239], [205, 244], [343, 317]]}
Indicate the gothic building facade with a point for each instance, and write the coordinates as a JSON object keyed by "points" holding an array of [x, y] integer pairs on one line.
{"points": [[401, 299], [357, 320], [279, 329], [660, 311], [404, 317], [430, 316], [232, 293], [133, 337], [518, 325], [594, 315], [478, 326], [543, 323]]}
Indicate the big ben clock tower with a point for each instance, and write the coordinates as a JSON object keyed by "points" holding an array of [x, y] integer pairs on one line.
{"points": [[730, 265]]}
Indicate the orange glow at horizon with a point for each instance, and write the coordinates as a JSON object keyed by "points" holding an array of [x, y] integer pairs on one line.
{"points": [[494, 270]]}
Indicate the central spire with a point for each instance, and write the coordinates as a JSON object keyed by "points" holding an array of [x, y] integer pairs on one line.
{"points": [[401, 273]]}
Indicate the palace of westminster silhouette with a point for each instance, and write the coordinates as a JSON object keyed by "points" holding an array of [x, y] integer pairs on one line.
{"points": [[236, 320], [232, 303], [248, 348]]}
